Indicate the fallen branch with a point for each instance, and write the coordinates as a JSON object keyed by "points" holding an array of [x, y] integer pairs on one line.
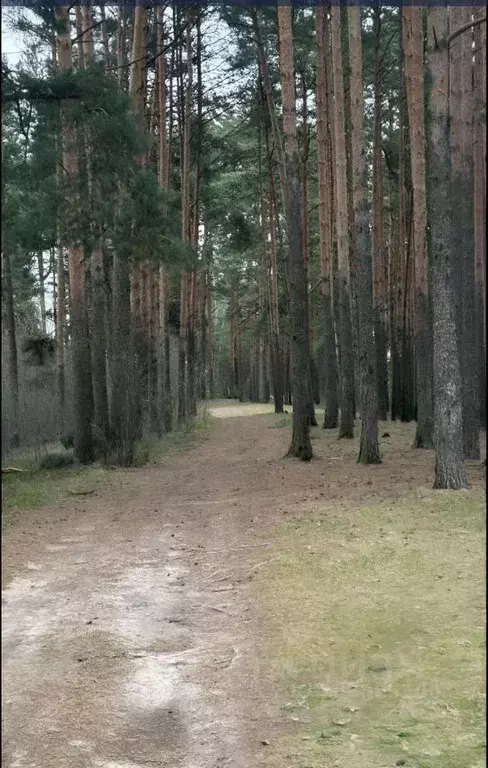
{"points": [[13, 469], [81, 493]]}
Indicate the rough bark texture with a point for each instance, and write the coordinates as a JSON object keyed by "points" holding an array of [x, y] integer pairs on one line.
{"points": [[346, 361], [301, 446], [82, 384], [324, 149], [450, 471], [271, 277], [268, 91], [469, 360], [413, 52], [186, 232], [368, 404], [60, 326], [98, 309], [9, 325], [378, 235], [479, 132], [99, 342], [164, 376]]}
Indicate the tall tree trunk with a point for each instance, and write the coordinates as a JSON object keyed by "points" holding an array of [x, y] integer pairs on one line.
{"points": [[164, 375], [448, 423], [123, 369], [269, 227], [210, 355], [61, 325], [9, 319], [82, 390], [137, 92], [479, 95], [346, 361], [324, 150], [301, 446], [42, 292], [97, 269], [186, 231], [470, 358], [368, 448], [378, 234], [414, 54], [268, 91], [304, 223]]}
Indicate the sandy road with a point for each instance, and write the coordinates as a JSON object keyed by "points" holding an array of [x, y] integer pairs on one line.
{"points": [[129, 630]]}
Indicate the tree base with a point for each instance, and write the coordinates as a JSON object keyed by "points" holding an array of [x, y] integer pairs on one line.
{"points": [[423, 439], [329, 423], [368, 456], [450, 478], [302, 452]]}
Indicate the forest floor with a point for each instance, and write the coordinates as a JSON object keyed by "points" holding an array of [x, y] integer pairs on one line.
{"points": [[229, 607]]}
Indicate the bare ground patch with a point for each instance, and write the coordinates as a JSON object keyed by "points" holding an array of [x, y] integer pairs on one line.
{"points": [[170, 617]]}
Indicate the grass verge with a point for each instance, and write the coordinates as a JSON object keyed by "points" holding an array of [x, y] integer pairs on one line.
{"points": [[37, 487], [376, 634]]}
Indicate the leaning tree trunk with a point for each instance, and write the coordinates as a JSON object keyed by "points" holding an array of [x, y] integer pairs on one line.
{"points": [[324, 159], [272, 279], [301, 446], [450, 471], [305, 254], [346, 361], [414, 50], [82, 384], [368, 447]]}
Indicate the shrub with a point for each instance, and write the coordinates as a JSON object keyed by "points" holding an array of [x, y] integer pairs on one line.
{"points": [[56, 460]]}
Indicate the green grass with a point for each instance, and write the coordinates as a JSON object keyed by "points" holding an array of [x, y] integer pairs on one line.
{"points": [[152, 449], [38, 487], [376, 634]]}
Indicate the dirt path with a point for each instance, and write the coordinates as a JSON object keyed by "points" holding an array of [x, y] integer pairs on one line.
{"points": [[131, 628], [128, 628]]}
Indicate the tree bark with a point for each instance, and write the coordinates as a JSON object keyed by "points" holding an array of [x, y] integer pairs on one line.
{"points": [[470, 358], [324, 159], [346, 361], [9, 317], [97, 270], [164, 375], [186, 232], [450, 471], [413, 52], [479, 132], [301, 447], [83, 396], [61, 326], [378, 234], [368, 448]]}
